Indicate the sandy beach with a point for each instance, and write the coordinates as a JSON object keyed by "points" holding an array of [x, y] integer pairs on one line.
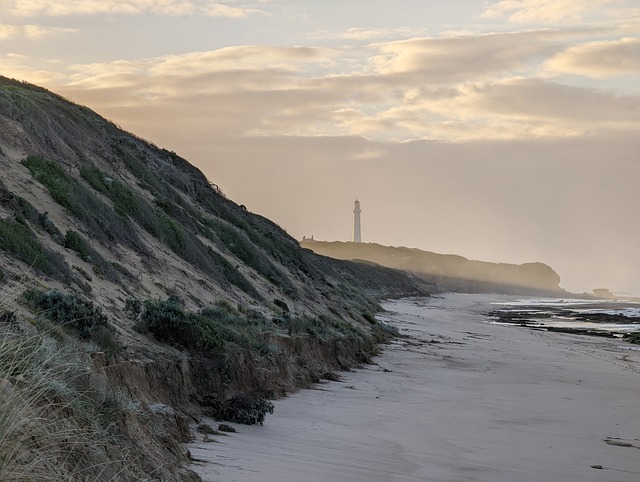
{"points": [[458, 399]]}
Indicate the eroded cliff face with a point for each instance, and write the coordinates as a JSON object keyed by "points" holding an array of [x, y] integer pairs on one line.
{"points": [[449, 272], [121, 259]]}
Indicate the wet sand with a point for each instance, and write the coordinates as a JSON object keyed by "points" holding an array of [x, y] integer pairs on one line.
{"points": [[460, 399]]}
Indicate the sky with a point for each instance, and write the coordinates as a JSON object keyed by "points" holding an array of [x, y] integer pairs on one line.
{"points": [[499, 130]]}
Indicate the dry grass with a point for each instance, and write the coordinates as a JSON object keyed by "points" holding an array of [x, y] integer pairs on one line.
{"points": [[55, 423], [30, 373]]}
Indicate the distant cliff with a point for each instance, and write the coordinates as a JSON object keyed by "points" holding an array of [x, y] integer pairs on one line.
{"points": [[448, 272]]}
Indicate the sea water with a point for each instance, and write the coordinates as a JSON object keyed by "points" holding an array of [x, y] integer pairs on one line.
{"points": [[615, 317]]}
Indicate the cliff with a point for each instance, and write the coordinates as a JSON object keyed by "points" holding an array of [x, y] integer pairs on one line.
{"points": [[447, 272]]}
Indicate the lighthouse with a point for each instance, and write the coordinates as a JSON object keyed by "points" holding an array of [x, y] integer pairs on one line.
{"points": [[357, 237]]}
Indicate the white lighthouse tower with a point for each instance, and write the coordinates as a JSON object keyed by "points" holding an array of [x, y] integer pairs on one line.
{"points": [[357, 237]]}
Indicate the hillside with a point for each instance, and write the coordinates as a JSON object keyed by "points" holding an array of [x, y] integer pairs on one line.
{"points": [[448, 272], [136, 297]]}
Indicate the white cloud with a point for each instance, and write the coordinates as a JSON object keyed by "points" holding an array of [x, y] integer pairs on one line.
{"points": [[454, 88], [216, 9], [21, 67], [369, 35], [31, 32], [557, 11], [599, 59], [56, 8], [462, 58], [522, 108]]}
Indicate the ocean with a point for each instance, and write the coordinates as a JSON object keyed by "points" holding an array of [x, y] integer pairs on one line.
{"points": [[582, 316]]}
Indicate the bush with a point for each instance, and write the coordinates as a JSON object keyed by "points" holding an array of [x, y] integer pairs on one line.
{"points": [[77, 243], [245, 409], [169, 322], [282, 305], [133, 307], [206, 332], [80, 316]]}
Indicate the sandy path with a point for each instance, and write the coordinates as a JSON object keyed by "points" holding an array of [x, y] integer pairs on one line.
{"points": [[462, 400]]}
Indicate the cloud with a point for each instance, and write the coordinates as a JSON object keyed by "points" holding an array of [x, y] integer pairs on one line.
{"points": [[56, 8], [369, 35], [557, 11], [31, 32], [599, 59], [462, 58], [522, 108], [21, 67], [215, 9], [543, 100], [230, 69], [455, 88]]}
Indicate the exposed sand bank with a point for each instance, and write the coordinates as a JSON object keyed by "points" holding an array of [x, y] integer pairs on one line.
{"points": [[462, 400]]}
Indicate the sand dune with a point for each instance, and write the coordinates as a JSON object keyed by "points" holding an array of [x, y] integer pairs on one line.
{"points": [[459, 400]]}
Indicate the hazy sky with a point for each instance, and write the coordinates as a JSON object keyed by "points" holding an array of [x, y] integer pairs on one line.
{"points": [[499, 130]]}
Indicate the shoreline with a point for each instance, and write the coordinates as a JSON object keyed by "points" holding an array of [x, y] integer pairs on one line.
{"points": [[458, 399]]}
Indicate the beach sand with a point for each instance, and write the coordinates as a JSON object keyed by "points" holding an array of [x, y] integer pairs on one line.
{"points": [[460, 399]]}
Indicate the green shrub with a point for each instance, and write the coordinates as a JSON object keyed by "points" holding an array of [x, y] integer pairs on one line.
{"points": [[243, 248], [169, 322], [75, 242], [39, 219], [78, 315], [50, 227], [281, 304], [25, 212], [20, 241], [98, 217], [347, 329], [133, 307], [206, 332], [101, 267]]}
